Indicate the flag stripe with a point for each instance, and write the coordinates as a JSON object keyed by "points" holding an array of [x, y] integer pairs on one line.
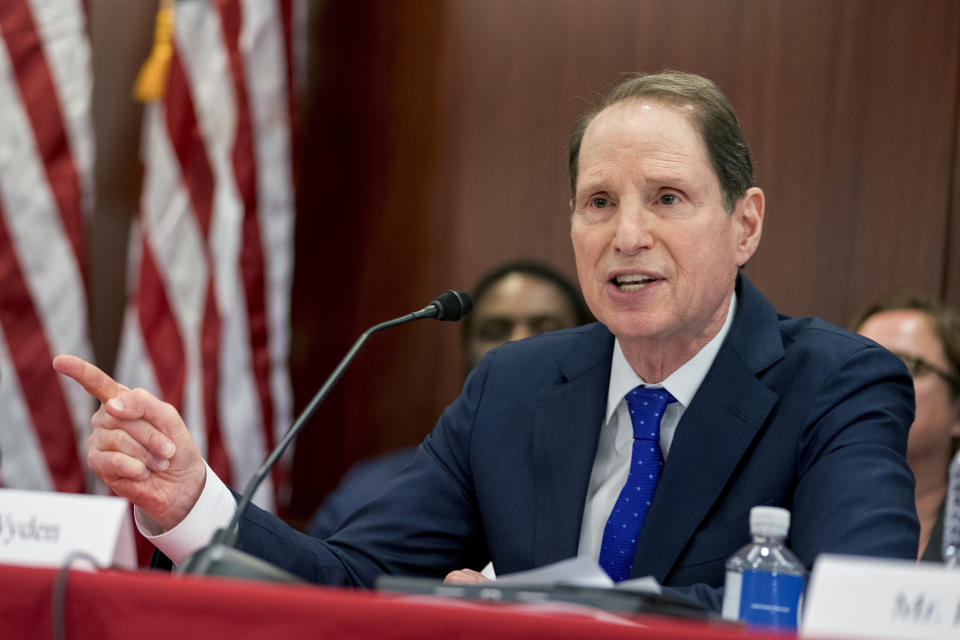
{"points": [[41, 389], [45, 178], [23, 464], [161, 334], [269, 92], [188, 145], [217, 455], [43, 109], [251, 258], [62, 25], [286, 21], [197, 176]]}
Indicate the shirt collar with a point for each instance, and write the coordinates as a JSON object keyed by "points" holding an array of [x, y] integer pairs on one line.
{"points": [[682, 384]]}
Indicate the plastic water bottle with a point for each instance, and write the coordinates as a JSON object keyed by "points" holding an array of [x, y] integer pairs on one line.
{"points": [[951, 516], [765, 580]]}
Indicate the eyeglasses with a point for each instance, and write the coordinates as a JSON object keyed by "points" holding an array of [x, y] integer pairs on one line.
{"points": [[918, 367]]}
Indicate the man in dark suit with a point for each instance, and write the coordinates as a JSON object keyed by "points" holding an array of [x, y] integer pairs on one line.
{"points": [[642, 441]]}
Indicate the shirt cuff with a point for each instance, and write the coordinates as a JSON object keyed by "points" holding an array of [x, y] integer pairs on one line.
{"points": [[213, 510]]}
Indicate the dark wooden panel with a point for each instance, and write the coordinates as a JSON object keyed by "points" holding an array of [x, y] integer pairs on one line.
{"points": [[855, 154], [364, 236], [951, 237]]}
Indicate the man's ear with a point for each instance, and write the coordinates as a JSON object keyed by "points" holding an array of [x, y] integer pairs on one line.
{"points": [[749, 220]]}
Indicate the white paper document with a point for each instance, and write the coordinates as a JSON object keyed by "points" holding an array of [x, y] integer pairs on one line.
{"points": [[580, 572]]}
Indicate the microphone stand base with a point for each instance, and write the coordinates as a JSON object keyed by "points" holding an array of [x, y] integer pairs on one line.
{"points": [[222, 560]]}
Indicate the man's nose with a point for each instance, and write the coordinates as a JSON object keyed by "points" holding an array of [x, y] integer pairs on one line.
{"points": [[633, 231], [520, 331]]}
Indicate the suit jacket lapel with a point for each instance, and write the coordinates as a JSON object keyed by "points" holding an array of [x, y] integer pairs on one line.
{"points": [[715, 432], [568, 421]]}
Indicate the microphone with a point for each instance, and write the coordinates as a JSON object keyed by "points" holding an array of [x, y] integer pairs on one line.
{"points": [[449, 305], [220, 557]]}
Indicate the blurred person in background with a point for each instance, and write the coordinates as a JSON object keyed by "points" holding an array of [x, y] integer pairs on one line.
{"points": [[926, 336]]}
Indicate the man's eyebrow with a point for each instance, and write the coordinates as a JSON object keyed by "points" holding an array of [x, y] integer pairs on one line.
{"points": [[675, 175], [588, 186], [587, 180]]}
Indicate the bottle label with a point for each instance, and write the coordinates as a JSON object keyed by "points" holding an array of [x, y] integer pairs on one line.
{"points": [[731, 596], [770, 599]]}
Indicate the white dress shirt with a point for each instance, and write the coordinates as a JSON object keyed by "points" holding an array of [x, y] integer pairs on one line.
{"points": [[216, 504], [615, 447]]}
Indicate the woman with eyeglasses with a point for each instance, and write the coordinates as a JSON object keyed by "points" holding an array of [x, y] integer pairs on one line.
{"points": [[926, 336]]}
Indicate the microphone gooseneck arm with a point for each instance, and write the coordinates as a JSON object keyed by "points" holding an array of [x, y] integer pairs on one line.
{"points": [[450, 305]]}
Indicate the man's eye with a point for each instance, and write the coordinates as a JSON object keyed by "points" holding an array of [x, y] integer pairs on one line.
{"points": [[545, 323], [494, 329], [599, 203], [668, 198]]}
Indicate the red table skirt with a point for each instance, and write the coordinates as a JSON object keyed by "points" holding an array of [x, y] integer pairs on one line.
{"points": [[116, 604]]}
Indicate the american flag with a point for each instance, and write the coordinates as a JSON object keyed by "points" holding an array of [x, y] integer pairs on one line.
{"points": [[46, 174], [210, 269]]}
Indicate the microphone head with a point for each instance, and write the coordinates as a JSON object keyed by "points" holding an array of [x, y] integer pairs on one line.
{"points": [[453, 305]]}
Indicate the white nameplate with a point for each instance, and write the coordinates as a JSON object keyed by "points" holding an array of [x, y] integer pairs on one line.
{"points": [[41, 528], [852, 597]]}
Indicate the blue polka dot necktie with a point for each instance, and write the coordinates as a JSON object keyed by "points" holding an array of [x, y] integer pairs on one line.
{"points": [[620, 536]]}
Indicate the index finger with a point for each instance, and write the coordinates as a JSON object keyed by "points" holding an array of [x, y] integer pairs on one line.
{"points": [[96, 382]]}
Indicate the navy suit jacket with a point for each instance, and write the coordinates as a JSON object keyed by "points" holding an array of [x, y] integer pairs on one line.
{"points": [[363, 482], [794, 413]]}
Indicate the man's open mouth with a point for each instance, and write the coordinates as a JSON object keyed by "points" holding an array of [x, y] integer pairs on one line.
{"points": [[633, 281]]}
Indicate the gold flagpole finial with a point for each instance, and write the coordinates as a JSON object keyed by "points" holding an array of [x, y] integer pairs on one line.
{"points": [[152, 80]]}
